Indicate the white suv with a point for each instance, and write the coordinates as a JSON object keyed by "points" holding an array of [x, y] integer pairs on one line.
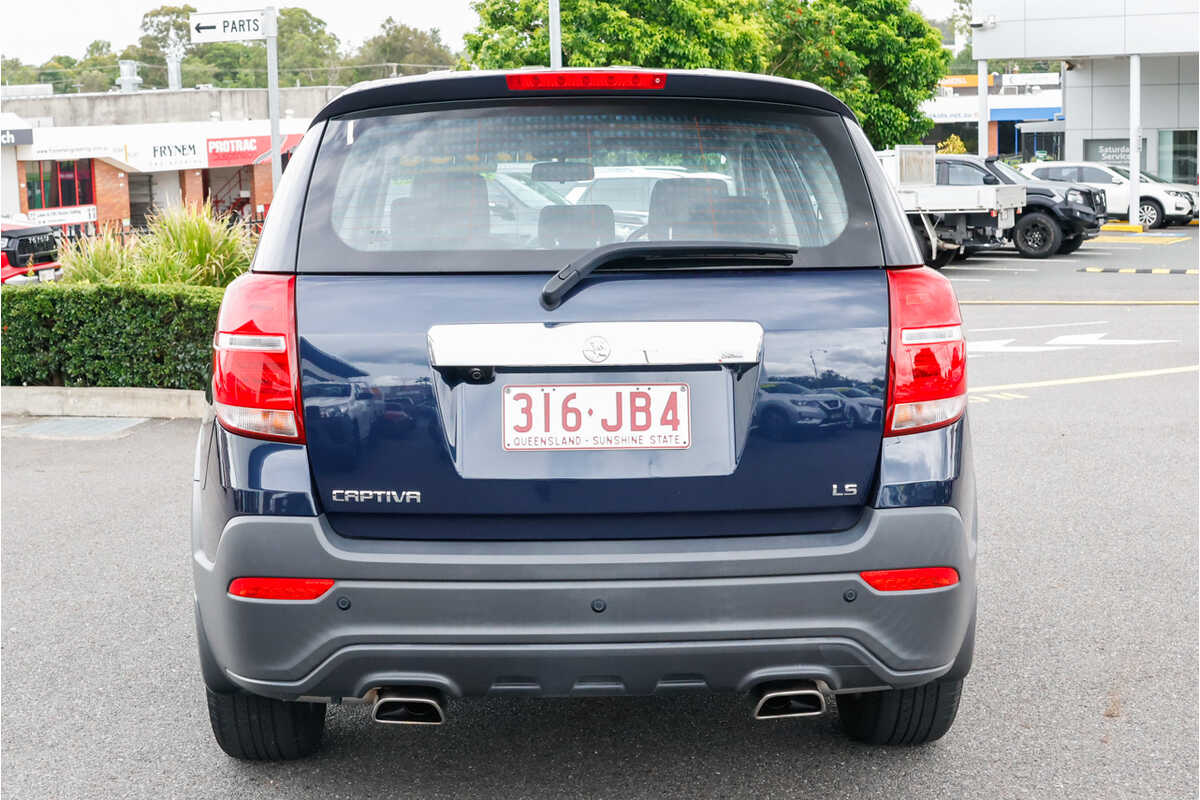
{"points": [[1160, 203]]}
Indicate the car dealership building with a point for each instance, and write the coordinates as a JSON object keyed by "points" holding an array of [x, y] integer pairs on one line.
{"points": [[1130, 82]]}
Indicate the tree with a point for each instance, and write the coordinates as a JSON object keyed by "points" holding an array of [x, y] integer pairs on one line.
{"points": [[158, 24], [953, 145], [15, 72], [723, 34], [879, 56], [98, 69], [57, 70], [397, 43], [307, 49]]}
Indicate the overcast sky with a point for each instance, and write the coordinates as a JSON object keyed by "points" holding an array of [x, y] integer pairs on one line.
{"points": [[34, 30]]}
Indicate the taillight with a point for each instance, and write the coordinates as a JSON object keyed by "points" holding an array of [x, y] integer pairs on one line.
{"points": [[927, 379], [256, 376], [907, 580], [584, 79], [280, 588], [3, 259]]}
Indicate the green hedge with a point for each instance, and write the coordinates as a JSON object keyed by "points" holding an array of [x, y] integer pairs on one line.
{"points": [[108, 335]]}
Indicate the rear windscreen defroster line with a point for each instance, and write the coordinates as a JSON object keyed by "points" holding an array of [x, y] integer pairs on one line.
{"points": [[530, 186]]}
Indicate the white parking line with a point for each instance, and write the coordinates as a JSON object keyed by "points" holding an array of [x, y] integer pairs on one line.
{"points": [[1032, 260], [971, 280], [1036, 327], [997, 269]]}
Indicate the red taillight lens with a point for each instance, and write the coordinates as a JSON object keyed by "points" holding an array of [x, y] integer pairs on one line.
{"points": [[280, 588], [589, 79], [927, 379], [3, 259], [907, 580], [256, 388]]}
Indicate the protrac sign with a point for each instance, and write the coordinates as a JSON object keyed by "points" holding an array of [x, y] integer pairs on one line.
{"points": [[237, 151]]}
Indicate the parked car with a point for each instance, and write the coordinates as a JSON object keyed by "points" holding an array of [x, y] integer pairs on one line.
{"points": [[946, 218], [585, 507], [863, 409], [1057, 217], [1159, 204], [1188, 190], [785, 408], [28, 253]]}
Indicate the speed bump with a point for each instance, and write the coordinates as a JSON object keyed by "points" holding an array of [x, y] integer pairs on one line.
{"points": [[1140, 270]]}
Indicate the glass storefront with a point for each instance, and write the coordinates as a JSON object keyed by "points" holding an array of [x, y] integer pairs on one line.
{"points": [[1177, 156], [53, 184]]}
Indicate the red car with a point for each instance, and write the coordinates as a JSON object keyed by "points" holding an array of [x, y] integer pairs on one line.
{"points": [[28, 253]]}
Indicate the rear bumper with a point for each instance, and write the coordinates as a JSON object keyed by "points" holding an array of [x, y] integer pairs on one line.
{"points": [[476, 618]]}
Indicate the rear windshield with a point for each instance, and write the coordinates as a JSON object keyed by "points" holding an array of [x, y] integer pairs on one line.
{"points": [[467, 188]]}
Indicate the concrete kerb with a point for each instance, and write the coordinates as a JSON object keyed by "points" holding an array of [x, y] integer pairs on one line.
{"points": [[1123, 227], [102, 401]]}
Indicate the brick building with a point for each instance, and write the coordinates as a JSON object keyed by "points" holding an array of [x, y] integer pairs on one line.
{"points": [[86, 162]]}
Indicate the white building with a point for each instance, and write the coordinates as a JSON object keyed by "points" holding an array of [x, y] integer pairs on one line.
{"points": [[1110, 46]]}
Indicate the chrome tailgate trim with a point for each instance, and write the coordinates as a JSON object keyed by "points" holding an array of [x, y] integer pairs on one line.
{"points": [[583, 344]]}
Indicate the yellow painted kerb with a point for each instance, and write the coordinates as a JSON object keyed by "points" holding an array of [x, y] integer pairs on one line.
{"points": [[1124, 227]]}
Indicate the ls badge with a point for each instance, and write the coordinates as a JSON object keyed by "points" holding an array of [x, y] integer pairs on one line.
{"points": [[846, 490]]}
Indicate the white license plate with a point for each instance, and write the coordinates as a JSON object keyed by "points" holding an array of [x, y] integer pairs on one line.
{"points": [[45, 275], [1007, 218], [597, 416]]}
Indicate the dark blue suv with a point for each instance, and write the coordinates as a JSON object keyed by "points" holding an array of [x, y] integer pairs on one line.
{"points": [[458, 451]]}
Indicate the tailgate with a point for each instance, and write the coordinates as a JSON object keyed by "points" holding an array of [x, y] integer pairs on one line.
{"points": [[662, 404]]}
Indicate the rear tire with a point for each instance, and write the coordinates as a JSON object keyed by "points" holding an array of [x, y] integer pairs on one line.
{"points": [[1150, 213], [943, 258], [901, 716], [257, 728], [775, 423], [1070, 244], [1037, 235]]}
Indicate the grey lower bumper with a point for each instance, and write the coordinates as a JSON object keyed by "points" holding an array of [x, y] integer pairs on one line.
{"points": [[476, 618]]}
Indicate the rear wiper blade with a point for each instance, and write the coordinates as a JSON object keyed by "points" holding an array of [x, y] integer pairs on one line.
{"points": [[556, 289]]}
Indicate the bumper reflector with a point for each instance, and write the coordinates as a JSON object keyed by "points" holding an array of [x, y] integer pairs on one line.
{"points": [[907, 580], [280, 588]]}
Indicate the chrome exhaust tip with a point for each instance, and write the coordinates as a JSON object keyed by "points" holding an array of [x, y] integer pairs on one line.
{"points": [[414, 705], [780, 701]]}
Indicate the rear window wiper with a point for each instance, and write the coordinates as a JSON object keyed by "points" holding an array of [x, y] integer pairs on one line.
{"points": [[556, 289]]}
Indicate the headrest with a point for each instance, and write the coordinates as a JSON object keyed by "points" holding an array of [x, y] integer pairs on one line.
{"points": [[442, 207], [581, 226], [676, 202]]}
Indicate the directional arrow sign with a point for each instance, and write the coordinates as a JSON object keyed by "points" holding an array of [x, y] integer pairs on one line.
{"points": [[974, 348], [1077, 339], [227, 26]]}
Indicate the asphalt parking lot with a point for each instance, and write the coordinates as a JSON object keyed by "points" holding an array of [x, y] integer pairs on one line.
{"points": [[1084, 412]]}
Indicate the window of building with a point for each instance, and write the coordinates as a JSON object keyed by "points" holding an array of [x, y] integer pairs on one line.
{"points": [[51, 184], [1177, 156]]}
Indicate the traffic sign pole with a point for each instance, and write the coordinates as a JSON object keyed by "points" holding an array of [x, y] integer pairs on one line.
{"points": [[555, 36], [240, 26], [272, 28]]}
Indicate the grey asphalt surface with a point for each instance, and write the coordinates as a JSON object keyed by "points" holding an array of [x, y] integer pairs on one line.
{"points": [[1085, 682]]}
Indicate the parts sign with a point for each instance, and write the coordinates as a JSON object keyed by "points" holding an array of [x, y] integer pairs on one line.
{"points": [[227, 26]]}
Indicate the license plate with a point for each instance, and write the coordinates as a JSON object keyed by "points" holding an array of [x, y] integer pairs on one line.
{"points": [[597, 416], [45, 275], [1007, 218]]}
